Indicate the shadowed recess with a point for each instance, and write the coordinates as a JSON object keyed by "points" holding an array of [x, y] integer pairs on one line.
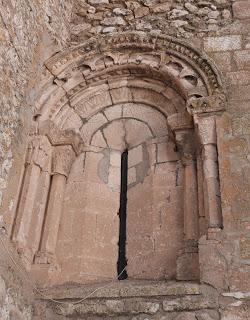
{"points": [[122, 261]]}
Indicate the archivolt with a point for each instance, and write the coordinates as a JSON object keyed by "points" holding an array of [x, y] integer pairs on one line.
{"points": [[80, 86], [130, 67]]}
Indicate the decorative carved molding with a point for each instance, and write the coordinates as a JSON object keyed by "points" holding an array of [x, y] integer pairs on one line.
{"points": [[170, 61], [171, 46], [165, 45]]}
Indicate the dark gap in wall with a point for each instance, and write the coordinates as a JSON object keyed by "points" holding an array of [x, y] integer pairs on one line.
{"points": [[122, 261]]}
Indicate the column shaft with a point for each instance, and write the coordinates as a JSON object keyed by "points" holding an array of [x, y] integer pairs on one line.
{"points": [[63, 157], [190, 202], [37, 165], [27, 205], [208, 138], [211, 175], [39, 209], [53, 216]]}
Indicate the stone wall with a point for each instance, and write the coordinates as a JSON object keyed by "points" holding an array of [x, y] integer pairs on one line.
{"points": [[142, 301], [16, 296], [175, 17], [30, 32], [135, 301]]}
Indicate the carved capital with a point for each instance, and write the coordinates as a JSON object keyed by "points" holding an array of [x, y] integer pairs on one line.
{"points": [[180, 121], [40, 152], [188, 159], [214, 103], [207, 130], [44, 258], [63, 157], [59, 137], [186, 144]]}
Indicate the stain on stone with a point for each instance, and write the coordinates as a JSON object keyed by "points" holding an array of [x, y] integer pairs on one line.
{"points": [[103, 166], [142, 169]]}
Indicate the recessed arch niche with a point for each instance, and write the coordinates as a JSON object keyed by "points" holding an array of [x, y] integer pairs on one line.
{"points": [[158, 98]]}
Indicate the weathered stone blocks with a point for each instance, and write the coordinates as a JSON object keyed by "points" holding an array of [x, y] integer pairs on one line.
{"points": [[241, 125], [226, 43], [242, 59], [241, 9], [188, 303], [245, 248]]}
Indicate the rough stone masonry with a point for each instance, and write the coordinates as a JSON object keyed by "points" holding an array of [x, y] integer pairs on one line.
{"points": [[82, 81]]}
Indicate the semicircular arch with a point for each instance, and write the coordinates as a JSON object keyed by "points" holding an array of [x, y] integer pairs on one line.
{"points": [[169, 69]]}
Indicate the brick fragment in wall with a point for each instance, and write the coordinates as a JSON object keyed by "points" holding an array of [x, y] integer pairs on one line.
{"points": [[241, 9]]}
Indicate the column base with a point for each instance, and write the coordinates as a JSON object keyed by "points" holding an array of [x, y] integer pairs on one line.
{"points": [[26, 256], [44, 258], [188, 262], [214, 233], [45, 268]]}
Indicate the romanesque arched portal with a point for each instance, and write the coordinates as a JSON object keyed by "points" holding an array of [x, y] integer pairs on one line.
{"points": [[156, 97]]}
